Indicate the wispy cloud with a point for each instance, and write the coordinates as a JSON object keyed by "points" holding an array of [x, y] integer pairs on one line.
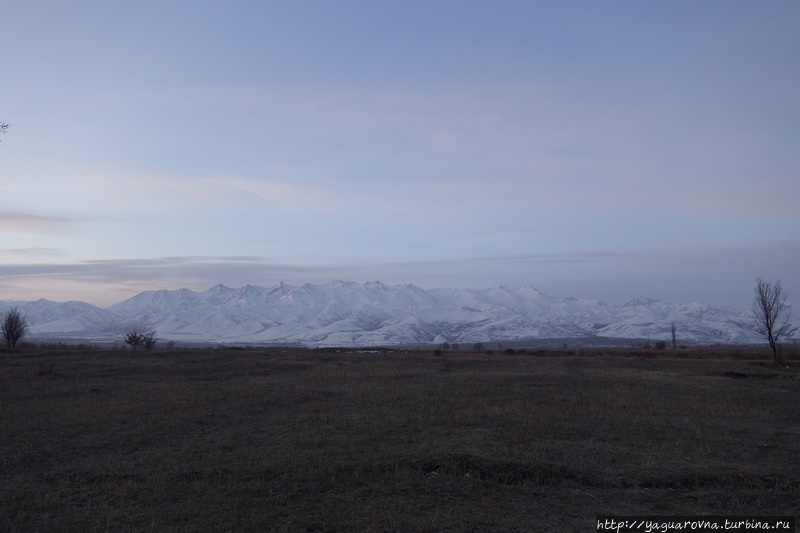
{"points": [[130, 276], [34, 252], [25, 222], [678, 274], [530, 145]]}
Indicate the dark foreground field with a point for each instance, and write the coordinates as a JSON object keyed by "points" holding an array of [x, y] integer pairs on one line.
{"points": [[309, 441]]}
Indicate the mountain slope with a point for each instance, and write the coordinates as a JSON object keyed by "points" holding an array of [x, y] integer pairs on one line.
{"points": [[348, 313], [48, 318]]}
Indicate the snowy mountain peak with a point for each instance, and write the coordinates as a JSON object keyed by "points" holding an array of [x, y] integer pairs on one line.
{"points": [[374, 313], [641, 301], [219, 290]]}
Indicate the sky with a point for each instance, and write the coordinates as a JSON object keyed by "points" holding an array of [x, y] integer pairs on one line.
{"points": [[602, 150]]}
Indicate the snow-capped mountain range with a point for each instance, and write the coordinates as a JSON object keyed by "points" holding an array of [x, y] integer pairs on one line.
{"points": [[369, 314]]}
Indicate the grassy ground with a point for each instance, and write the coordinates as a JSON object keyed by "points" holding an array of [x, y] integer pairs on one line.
{"points": [[325, 441]]}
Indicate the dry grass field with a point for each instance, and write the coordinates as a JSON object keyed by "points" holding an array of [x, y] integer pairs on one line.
{"points": [[270, 440]]}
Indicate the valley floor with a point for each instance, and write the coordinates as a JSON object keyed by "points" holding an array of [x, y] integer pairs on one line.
{"points": [[326, 440]]}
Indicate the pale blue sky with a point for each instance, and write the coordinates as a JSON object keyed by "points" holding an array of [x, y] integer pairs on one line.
{"points": [[591, 149]]}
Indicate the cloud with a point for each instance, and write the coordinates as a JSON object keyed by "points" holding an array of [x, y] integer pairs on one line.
{"points": [[113, 192], [287, 195], [104, 281], [34, 252], [720, 276], [500, 146], [15, 221], [121, 278]]}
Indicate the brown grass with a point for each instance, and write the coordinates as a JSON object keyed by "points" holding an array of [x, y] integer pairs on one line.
{"points": [[325, 441]]}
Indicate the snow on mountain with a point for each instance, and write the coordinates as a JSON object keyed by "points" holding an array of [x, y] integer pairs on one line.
{"points": [[47, 318], [349, 313]]}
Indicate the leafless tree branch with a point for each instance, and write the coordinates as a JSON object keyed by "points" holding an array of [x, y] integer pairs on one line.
{"points": [[14, 326], [770, 320]]}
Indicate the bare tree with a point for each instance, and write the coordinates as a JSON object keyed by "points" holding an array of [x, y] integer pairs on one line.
{"points": [[134, 339], [13, 327], [149, 340], [3, 127], [768, 311]]}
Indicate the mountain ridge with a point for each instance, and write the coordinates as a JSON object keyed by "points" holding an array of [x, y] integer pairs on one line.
{"points": [[374, 313]]}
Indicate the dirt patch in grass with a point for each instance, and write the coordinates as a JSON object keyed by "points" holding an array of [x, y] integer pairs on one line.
{"points": [[255, 440]]}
